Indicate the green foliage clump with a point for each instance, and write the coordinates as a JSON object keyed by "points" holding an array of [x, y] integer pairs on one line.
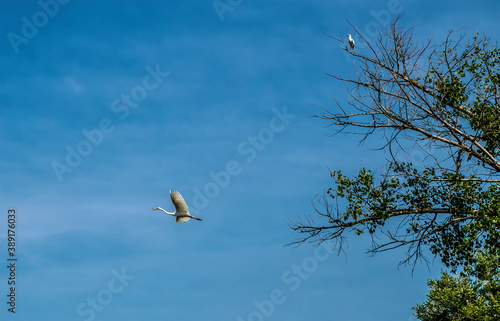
{"points": [[473, 294], [454, 216]]}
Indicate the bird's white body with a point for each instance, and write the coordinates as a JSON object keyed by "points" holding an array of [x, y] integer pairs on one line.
{"points": [[351, 42], [181, 209]]}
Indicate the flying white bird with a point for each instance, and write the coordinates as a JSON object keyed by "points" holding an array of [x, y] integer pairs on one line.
{"points": [[181, 209], [351, 42]]}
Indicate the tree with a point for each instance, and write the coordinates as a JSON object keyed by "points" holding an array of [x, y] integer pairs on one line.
{"points": [[443, 100], [473, 294]]}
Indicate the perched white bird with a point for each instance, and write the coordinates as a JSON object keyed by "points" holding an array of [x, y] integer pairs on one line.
{"points": [[181, 209], [351, 42]]}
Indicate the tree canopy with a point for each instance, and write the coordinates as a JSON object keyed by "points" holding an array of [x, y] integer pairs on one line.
{"points": [[442, 99]]}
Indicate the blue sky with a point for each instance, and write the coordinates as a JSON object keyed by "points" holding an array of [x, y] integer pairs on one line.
{"points": [[213, 103]]}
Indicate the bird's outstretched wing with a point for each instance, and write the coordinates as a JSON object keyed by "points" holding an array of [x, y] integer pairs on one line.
{"points": [[179, 203]]}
